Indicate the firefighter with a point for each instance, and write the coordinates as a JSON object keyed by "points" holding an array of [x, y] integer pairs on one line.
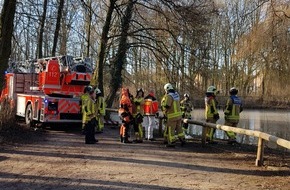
{"points": [[232, 113], [101, 110], [138, 103], [125, 113], [211, 112], [90, 115], [170, 106], [84, 97], [150, 110], [186, 108]]}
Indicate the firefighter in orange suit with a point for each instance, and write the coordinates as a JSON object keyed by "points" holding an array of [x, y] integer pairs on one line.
{"points": [[84, 97], [125, 113], [211, 111], [101, 110], [90, 115], [138, 103], [150, 110], [170, 106]]}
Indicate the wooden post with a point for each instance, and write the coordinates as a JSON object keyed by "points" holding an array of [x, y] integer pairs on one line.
{"points": [[260, 152]]}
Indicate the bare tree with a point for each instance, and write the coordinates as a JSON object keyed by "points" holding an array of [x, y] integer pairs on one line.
{"points": [[7, 17], [98, 73], [57, 26], [88, 25], [263, 53], [41, 30], [120, 58]]}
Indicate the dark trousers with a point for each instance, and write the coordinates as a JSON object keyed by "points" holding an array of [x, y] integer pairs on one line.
{"points": [[90, 132]]}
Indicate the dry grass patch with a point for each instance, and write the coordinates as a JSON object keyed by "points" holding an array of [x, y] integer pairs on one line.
{"points": [[12, 130]]}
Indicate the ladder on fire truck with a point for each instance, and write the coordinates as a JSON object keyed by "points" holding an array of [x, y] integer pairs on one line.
{"points": [[35, 66], [79, 64]]}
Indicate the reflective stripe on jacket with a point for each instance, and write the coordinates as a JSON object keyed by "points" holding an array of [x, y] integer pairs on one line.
{"points": [[138, 105], [84, 99], [90, 109], [233, 108], [186, 105], [171, 106], [102, 105], [210, 107]]}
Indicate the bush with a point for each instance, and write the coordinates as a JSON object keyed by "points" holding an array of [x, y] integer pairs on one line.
{"points": [[12, 131], [7, 116]]}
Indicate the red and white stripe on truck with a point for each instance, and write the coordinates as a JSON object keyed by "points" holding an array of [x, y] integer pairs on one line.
{"points": [[48, 109]]}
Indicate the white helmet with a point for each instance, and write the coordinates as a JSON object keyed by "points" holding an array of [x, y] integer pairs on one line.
{"points": [[88, 89], [97, 91], [211, 89], [168, 86], [234, 91]]}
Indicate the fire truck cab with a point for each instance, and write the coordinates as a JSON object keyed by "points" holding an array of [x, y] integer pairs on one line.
{"points": [[47, 90]]}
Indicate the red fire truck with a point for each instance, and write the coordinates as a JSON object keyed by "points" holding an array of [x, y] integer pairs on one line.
{"points": [[48, 90]]}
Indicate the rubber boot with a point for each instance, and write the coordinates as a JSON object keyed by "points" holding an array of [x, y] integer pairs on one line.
{"points": [[170, 145], [122, 133], [182, 141], [126, 140]]}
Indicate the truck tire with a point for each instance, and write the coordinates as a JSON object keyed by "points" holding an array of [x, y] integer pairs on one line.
{"points": [[28, 115]]}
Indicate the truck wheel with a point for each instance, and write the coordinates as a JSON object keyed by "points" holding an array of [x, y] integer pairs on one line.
{"points": [[28, 115]]}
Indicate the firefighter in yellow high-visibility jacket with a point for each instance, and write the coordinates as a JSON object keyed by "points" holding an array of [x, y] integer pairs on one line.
{"points": [[211, 111], [101, 110], [170, 106], [84, 97], [137, 111], [186, 108], [90, 118], [232, 113]]}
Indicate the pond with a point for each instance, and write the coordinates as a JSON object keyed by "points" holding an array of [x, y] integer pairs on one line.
{"points": [[274, 122]]}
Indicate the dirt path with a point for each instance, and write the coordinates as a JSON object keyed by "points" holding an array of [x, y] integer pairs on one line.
{"points": [[62, 161]]}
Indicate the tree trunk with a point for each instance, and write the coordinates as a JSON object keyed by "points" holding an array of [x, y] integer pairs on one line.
{"points": [[65, 25], [119, 61], [41, 30], [7, 18], [57, 26], [98, 73], [88, 26]]}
